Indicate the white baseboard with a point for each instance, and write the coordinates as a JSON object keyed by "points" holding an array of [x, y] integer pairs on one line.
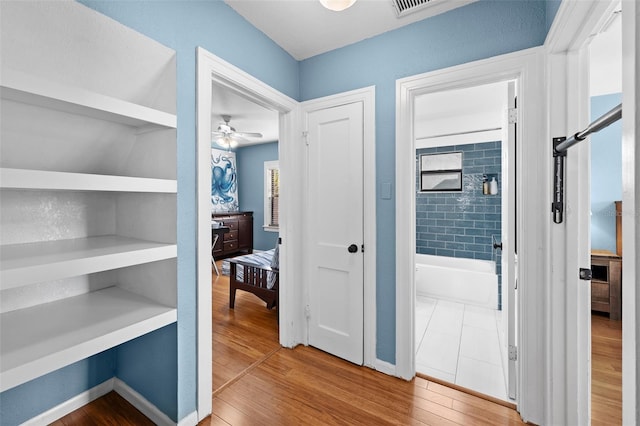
{"points": [[125, 391], [72, 404], [385, 367], [189, 420], [141, 403]]}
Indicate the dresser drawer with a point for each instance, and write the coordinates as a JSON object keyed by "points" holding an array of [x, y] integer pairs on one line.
{"points": [[231, 224], [231, 236], [600, 292], [230, 245]]}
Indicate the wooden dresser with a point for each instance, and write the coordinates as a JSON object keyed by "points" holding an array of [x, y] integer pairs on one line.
{"points": [[239, 239], [606, 283]]}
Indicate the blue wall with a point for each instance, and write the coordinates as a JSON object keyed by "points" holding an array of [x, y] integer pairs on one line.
{"points": [[479, 30], [37, 396], [461, 224], [606, 175], [251, 189]]}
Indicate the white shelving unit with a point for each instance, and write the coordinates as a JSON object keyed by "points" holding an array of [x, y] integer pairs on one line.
{"points": [[87, 187]]}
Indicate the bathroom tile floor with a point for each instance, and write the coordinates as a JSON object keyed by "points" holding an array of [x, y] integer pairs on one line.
{"points": [[460, 344]]}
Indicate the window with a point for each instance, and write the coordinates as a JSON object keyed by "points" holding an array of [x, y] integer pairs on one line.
{"points": [[441, 172], [271, 195]]}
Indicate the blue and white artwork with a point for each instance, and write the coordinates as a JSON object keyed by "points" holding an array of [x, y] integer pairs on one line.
{"points": [[224, 185]]}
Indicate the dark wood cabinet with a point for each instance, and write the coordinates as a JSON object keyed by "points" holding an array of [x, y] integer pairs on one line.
{"points": [[239, 239], [606, 283]]}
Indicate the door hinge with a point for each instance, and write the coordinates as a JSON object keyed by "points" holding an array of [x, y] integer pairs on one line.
{"points": [[585, 274], [513, 353], [305, 135], [307, 311], [513, 115]]}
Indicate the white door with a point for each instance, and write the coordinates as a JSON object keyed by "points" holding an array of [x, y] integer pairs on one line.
{"points": [[509, 240], [335, 201]]}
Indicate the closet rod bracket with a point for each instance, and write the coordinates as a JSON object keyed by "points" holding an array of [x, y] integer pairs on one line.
{"points": [[557, 206]]}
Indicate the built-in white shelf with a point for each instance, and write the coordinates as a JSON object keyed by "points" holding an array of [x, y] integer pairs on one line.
{"points": [[44, 338], [47, 180], [29, 263], [23, 88]]}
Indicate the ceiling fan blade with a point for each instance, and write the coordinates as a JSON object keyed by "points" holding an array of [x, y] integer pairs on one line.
{"points": [[247, 134], [239, 139]]}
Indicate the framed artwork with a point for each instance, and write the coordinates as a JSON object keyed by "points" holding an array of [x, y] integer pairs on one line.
{"points": [[441, 172], [224, 184]]}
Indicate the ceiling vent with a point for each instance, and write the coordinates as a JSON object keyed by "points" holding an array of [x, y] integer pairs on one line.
{"points": [[405, 7]]}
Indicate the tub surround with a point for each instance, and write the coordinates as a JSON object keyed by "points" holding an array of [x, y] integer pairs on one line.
{"points": [[462, 224]]}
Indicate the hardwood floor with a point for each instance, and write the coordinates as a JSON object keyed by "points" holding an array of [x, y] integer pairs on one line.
{"points": [[109, 410], [308, 386], [242, 336], [606, 373], [278, 386]]}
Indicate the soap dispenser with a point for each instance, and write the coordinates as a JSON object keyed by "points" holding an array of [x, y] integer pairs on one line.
{"points": [[493, 186]]}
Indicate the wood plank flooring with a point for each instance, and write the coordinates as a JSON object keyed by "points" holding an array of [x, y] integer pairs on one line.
{"points": [[108, 410], [278, 386], [606, 372], [242, 336]]}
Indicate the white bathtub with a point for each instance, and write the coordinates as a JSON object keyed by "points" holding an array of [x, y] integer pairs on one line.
{"points": [[468, 281]]}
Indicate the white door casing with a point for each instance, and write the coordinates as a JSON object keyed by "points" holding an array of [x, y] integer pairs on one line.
{"points": [[630, 207], [533, 176], [509, 317], [335, 198], [569, 395], [211, 69]]}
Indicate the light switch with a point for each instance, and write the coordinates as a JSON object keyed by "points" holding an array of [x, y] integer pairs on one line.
{"points": [[385, 191]]}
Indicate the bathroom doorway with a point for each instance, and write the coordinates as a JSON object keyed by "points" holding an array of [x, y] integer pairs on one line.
{"points": [[465, 178]]}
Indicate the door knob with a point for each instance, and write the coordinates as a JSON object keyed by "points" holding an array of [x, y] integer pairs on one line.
{"points": [[352, 248]]}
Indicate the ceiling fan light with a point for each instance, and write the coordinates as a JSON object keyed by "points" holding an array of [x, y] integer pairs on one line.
{"points": [[337, 5]]}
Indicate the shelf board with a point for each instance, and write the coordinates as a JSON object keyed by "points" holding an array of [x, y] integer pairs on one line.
{"points": [[39, 179], [28, 263], [27, 89], [44, 338]]}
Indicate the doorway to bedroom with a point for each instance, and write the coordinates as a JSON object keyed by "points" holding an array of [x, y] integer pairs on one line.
{"points": [[245, 223]]}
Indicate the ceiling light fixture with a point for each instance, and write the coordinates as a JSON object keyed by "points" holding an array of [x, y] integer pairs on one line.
{"points": [[227, 142], [337, 5]]}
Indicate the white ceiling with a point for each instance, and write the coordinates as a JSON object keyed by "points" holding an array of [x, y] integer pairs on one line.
{"points": [[246, 116], [304, 28]]}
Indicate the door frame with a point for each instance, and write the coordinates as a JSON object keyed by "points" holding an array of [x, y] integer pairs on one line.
{"points": [[365, 95], [569, 34], [569, 399], [214, 70], [526, 66]]}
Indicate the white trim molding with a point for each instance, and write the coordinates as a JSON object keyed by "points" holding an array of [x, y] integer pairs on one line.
{"points": [[213, 70], [568, 397], [142, 404], [72, 404], [631, 209], [533, 177]]}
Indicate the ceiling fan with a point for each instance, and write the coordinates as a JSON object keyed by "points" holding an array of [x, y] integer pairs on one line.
{"points": [[227, 137]]}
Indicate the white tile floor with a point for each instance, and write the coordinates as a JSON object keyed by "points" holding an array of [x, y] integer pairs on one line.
{"points": [[460, 344]]}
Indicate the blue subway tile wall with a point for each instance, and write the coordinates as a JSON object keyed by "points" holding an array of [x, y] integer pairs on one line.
{"points": [[462, 224]]}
